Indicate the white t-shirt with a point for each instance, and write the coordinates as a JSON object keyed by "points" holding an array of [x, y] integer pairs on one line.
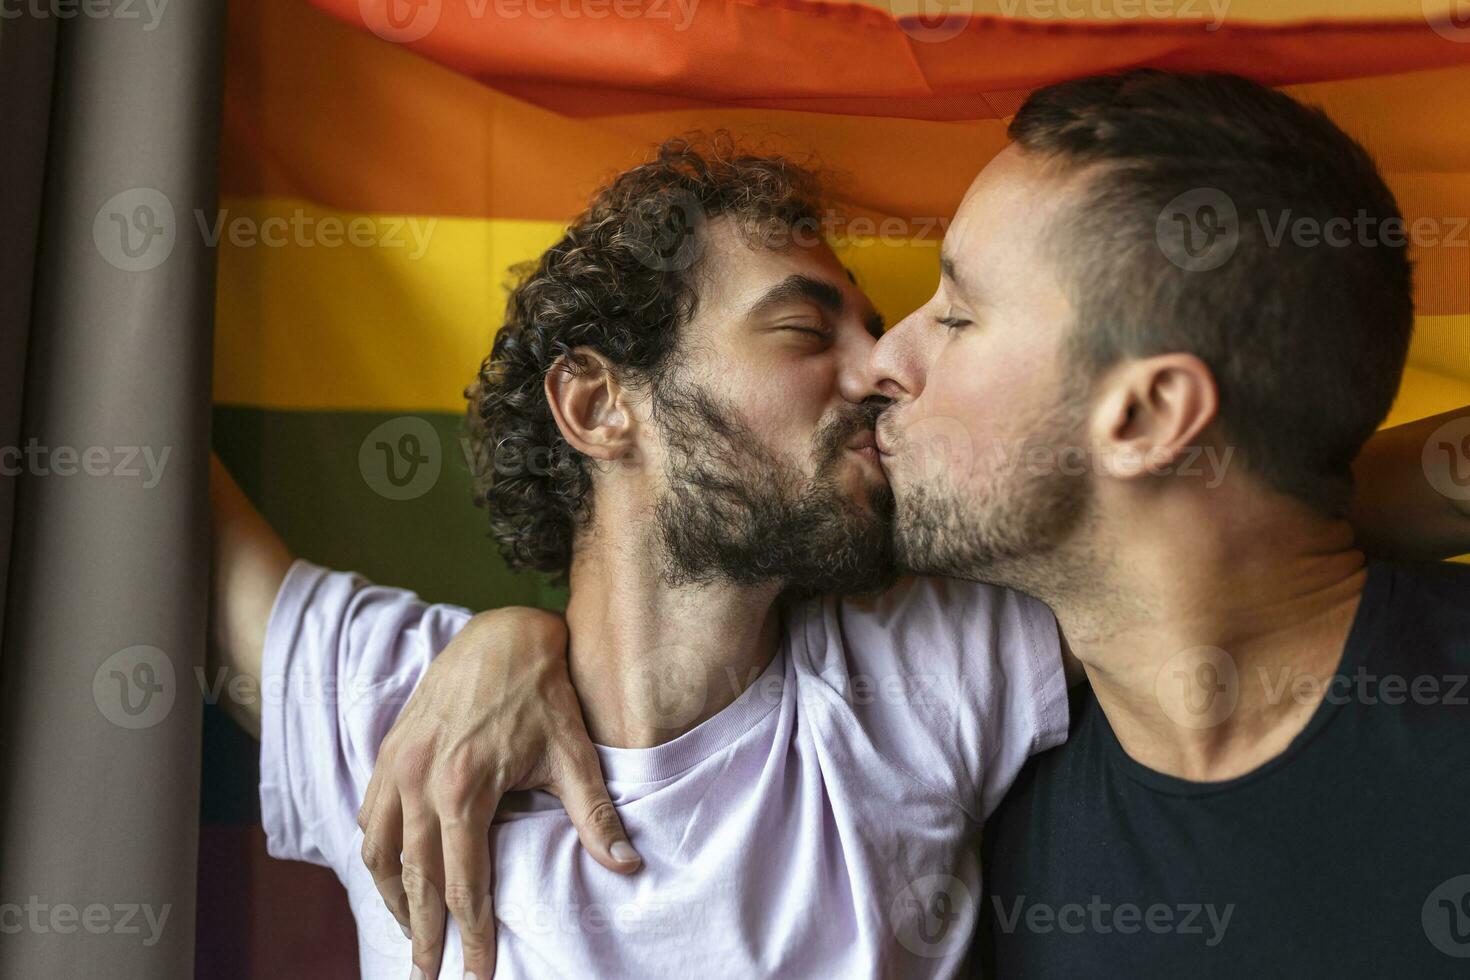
{"points": [[824, 824]]}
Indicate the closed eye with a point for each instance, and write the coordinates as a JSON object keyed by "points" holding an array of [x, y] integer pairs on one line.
{"points": [[952, 323]]}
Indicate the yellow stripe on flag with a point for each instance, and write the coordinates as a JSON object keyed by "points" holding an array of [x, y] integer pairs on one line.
{"points": [[325, 309]]}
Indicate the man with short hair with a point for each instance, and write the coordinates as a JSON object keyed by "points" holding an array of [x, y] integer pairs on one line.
{"points": [[1084, 350], [1249, 787]]}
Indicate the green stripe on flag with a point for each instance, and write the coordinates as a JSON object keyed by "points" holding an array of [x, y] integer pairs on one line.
{"points": [[386, 494]]}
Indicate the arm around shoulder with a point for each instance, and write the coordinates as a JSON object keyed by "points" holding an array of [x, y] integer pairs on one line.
{"points": [[248, 562]]}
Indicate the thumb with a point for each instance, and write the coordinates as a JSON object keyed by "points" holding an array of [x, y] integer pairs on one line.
{"points": [[579, 786]]}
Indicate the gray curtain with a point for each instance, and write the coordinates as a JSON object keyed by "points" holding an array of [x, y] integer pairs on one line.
{"points": [[108, 152]]}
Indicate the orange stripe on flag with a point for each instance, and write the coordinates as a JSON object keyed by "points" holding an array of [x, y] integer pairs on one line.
{"points": [[614, 56]]}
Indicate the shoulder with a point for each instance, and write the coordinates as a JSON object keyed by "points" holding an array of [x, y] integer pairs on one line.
{"points": [[1422, 610]]}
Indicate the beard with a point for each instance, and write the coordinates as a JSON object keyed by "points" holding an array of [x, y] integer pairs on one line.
{"points": [[736, 512], [1009, 528]]}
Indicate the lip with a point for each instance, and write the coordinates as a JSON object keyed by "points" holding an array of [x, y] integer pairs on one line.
{"points": [[878, 444], [865, 441]]}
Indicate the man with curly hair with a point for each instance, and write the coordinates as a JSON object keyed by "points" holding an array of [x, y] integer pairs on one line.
{"points": [[677, 416]]}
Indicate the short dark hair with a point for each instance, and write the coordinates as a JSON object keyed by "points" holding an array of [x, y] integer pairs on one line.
{"points": [[1307, 342], [621, 280]]}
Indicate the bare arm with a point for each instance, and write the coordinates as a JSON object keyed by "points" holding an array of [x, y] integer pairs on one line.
{"points": [[1401, 508], [247, 563]]}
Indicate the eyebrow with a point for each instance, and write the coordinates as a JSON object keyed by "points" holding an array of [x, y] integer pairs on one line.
{"points": [[824, 294], [797, 287], [947, 268]]}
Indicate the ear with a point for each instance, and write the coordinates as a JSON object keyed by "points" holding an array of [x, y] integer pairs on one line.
{"points": [[589, 405], [1151, 410]]}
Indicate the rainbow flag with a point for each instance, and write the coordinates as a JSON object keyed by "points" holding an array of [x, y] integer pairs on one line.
{"points": [[385, 162]]}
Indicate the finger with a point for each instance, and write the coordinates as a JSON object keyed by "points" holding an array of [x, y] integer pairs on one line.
{"points": [[468, 884], [382, 840], [370, 798], [423, 885], [578, 782]]}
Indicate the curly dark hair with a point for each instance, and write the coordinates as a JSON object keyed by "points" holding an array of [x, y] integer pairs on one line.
{"points": [[621, 281]]}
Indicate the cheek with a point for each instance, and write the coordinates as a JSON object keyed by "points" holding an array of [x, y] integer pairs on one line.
{"points": [[784, 404], [969, 417]]}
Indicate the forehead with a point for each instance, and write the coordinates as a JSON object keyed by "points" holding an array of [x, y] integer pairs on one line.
{"points": [[999, 226], [734, 274]]}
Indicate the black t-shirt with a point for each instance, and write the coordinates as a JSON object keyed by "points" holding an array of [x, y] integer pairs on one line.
{"points": [[1346, 855]]}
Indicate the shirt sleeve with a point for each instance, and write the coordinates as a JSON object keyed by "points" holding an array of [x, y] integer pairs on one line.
{"points": [[964, 681], [341, 658]]}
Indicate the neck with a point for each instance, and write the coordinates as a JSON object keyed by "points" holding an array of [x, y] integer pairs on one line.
{"points": [[651, 661], [1217, 636]]}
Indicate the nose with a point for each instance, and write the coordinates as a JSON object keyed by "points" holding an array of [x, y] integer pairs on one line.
{"points": [[855, 381], [894, 370]]}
